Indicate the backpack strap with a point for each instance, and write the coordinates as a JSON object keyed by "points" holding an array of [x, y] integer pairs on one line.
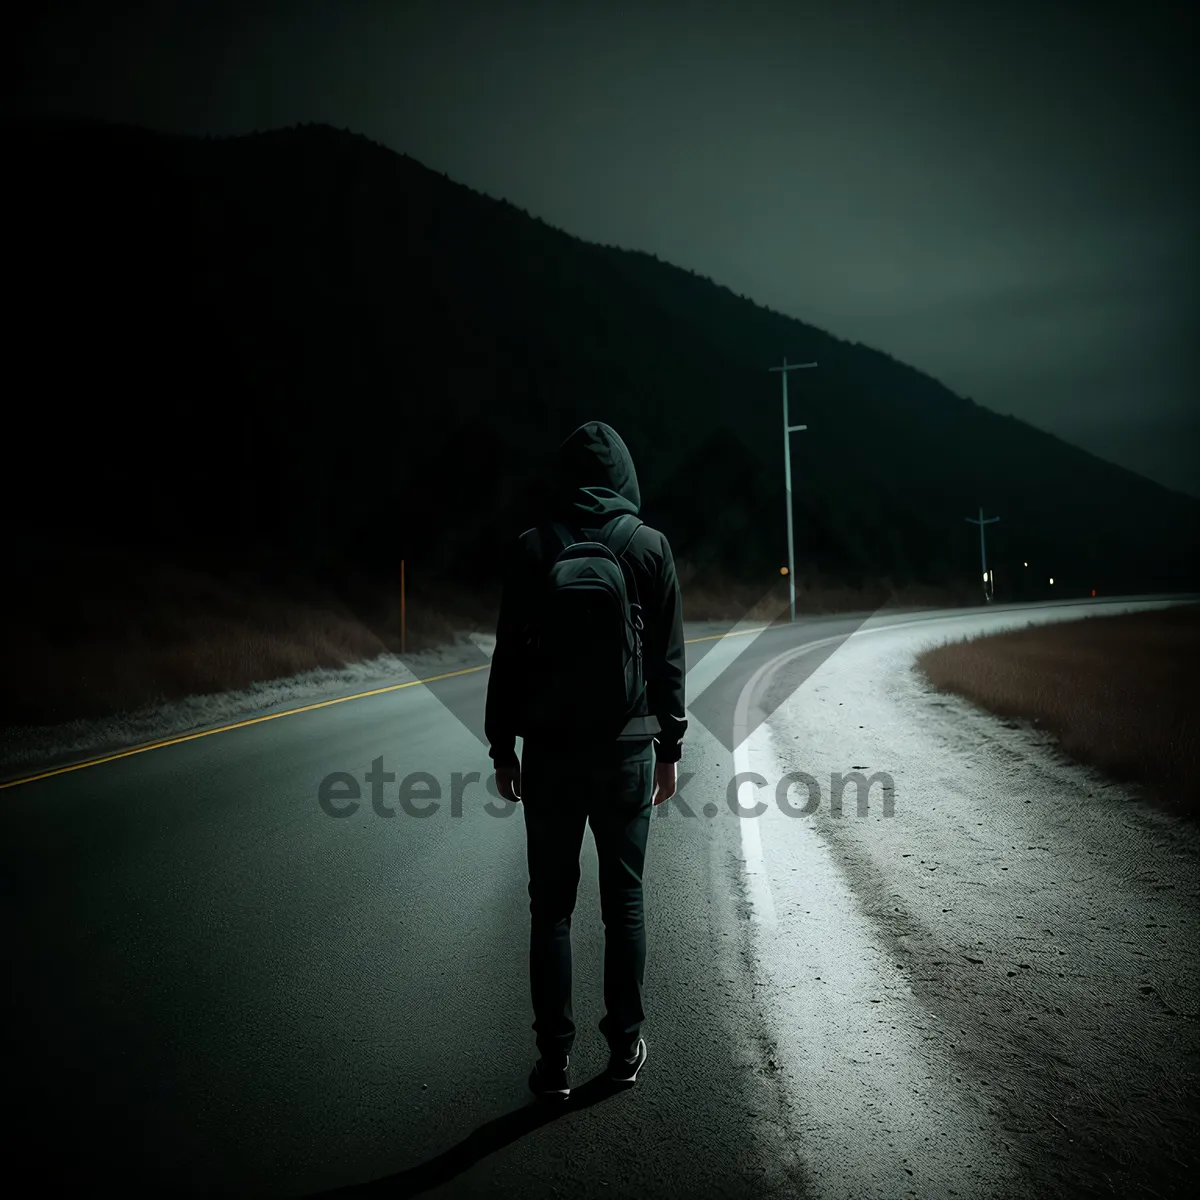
{"points": [[633, 524]]}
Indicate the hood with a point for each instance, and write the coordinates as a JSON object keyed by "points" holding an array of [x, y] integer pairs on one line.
{"points": [[596, 477]]}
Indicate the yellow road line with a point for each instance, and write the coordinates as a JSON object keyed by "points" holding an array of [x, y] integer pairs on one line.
{"points": [[189, 737], [712, 637], [287, 712]]}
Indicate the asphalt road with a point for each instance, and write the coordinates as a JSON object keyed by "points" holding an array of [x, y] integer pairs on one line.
{"points": [[218, 987]]}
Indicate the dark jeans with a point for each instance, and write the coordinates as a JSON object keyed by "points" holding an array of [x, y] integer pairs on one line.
{"points": [[609, 789]]}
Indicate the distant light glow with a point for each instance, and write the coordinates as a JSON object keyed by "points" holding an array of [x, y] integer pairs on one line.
{"points": [[1052, 579], [783, 570]]}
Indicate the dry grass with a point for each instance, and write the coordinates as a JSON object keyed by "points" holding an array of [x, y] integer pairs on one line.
{"points": [[710, 598], [1118, 692], [131, 635], [170, 653], [91, 636]]}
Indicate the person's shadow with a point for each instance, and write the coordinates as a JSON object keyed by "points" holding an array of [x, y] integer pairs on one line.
{"points": [[487, 1139]]}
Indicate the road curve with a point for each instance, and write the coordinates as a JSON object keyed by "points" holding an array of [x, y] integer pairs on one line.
{"points": [[217, 986]]}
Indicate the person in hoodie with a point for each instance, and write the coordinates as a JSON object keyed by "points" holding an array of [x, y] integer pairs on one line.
{"points": [[609, 785]]}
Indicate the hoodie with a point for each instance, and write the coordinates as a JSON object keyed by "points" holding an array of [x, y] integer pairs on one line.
{"points": [[595, 481]]}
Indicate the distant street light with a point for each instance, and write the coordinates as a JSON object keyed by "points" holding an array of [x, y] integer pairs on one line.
{"points": [[787, 477]]}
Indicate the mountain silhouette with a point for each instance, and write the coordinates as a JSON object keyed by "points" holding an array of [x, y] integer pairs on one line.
{"points": [[303, 345]]}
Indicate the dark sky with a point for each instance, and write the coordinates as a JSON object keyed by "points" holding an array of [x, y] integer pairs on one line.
{"points": [[1001, 194]]}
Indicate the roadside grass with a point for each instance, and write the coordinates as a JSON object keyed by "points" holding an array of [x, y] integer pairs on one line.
{"points": [[1117, 692], [88, 636], [709, 598], [131, 636], [57, 675]]}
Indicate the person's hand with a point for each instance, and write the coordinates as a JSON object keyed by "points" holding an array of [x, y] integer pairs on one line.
{"points": [[664, 782], [508, 783]]}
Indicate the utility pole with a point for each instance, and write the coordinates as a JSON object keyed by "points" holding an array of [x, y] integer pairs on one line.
{"points": [[981, 522], [787, 475]]}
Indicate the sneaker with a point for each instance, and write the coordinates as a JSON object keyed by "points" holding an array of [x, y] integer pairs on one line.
{"points": [[625, 1070], [549, 1081]]}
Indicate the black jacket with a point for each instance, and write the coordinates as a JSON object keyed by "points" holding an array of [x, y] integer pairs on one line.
{"points": [[596, 482]]}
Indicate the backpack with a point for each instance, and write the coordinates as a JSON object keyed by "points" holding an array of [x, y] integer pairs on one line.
{"points": [[584, 637]]}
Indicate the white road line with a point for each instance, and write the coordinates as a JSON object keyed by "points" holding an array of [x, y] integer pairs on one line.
{"points": [[748, 716]]}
